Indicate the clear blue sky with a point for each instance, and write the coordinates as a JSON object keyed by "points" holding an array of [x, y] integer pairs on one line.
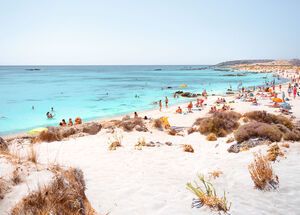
{"points": [[147, 32]]}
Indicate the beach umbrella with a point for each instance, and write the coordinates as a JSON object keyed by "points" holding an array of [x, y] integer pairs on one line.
{"points": [[36, 131], [286, 105], [277, 100]]}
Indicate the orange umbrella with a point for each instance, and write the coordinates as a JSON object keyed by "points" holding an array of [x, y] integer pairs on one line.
{"points": [[277, 100]]}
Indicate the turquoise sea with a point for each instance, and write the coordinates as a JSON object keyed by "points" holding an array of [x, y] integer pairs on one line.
{"points": [[100, 91]]}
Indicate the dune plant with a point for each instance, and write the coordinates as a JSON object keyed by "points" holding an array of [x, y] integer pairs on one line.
{"points": [[115, 141], [141, 142], [188, 148], [207, 196], [263, 116], [16, 176], [65, 195], [32, 155], [211, 137], [221, 124], [258, 129], [273, 152], [262, 174], [215, 174]]}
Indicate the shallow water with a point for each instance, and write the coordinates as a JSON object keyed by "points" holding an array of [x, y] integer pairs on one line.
{"points": [[99, 91]]}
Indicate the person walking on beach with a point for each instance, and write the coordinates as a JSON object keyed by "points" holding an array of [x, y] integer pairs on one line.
{"points": [[289, 90], [160, 105], [295, 92], [167, 101], [283, 96]]}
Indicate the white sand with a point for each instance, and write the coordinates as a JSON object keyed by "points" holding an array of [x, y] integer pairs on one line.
{"points": [[153, 180]]}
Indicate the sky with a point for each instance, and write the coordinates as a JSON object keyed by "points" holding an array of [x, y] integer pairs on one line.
{"points": [[145, 32]]}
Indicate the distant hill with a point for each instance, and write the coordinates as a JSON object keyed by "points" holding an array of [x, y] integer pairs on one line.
{"points": [[295, 62], [235, 62]]}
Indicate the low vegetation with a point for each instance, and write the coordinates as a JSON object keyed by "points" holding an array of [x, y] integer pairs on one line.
{"points": [[230, 140], [262, 173], [3, 187], [65, 195], [215, 174], [258, 129], [115, 141], [188, 148], [32, 155], [211, 137], [140, 144], [293, 135], [16, 176], [207, 196], [273, 152], [263, 116], [221, 123]]}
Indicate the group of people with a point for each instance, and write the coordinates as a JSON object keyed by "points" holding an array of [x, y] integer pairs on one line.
{"points": [[63, 122], [166, 103], [50, 114]]}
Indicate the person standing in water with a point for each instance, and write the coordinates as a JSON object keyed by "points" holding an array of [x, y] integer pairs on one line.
{"points": [[160, 105], [167, 101]]}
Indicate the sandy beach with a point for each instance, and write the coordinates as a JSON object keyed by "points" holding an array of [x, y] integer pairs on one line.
{"points": [[152, 180]]}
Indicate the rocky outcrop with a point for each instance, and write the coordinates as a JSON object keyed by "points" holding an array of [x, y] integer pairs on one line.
{"points": [[236, 148], [60, 133], [91, 128]]}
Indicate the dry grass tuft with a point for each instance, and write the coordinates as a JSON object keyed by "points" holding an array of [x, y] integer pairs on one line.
{"points": [[245, 119], [65, 195], [48, 136], [258, 129], [16, 176], [262, 173], [140, 144], [263, 116], [230, 140], [215, 174], [32, 155], [188, 148], [293, 135], [273, 152], [3, 187], [286, 145], [114, 145], [221, 123], [115, 141], [207, 196], [211, 137]]}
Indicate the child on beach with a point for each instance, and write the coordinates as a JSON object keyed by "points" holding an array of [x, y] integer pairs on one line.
{"points": [[135, 115]]}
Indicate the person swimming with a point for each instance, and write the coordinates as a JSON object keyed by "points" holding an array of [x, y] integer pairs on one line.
{"points": [[78, 121], [49, 115], [70, 123], [64, 122]]}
